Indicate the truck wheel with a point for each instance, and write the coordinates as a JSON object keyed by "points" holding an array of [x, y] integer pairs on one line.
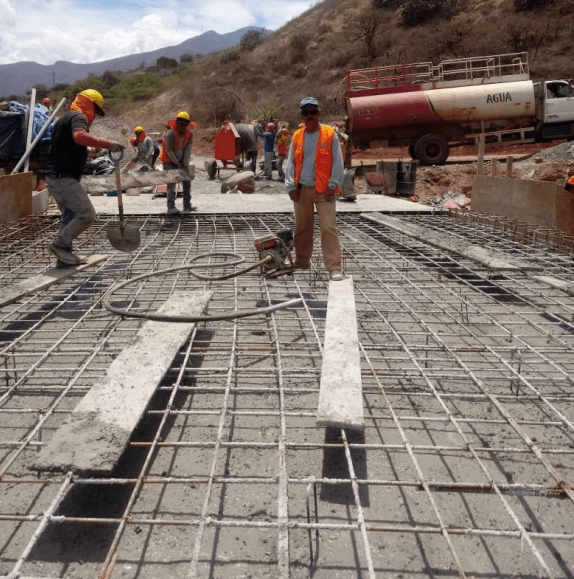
{"points": [[432, 150], [412, 152]]}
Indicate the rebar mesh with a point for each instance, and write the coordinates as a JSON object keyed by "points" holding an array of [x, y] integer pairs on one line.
{"points": [[464, 468]]}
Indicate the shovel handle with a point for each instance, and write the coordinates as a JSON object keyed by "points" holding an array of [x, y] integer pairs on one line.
{"points": [[119, 187], [116, 159]]}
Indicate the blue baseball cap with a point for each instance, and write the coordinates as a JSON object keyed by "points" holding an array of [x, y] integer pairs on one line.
{"points": [[309, 101]]}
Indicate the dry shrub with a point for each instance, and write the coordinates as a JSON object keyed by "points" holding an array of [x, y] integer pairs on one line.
{"points": [[298, 44], [527, 5], [416, 12]]}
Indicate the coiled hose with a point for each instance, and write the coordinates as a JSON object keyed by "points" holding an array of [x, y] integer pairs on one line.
{"points": [[236, 314]]}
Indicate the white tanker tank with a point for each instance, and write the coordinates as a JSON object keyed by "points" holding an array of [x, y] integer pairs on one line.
{"points": [[432, 108]]}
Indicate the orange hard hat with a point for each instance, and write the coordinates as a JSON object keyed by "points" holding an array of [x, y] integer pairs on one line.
{"points": [[270, 127], [46, 101]]}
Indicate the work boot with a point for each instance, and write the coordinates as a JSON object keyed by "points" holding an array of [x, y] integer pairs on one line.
{"points": [[187, 208], [302, 264], [336, 275], [173, 210], [63, 254]]}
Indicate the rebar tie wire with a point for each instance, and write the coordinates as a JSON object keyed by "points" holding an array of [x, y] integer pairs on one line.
{"points": [[191, 268]]}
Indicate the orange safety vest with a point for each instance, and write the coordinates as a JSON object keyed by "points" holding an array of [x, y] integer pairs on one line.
{"points": [[323, 157], [164, 157], [282, 144]]}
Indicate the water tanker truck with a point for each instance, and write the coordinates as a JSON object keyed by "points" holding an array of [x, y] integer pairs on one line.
{"points": [[432, 108]]}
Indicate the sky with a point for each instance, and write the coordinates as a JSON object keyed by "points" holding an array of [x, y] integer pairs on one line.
{"points": [[83, 31]]}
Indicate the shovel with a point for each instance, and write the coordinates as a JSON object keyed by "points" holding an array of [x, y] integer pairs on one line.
{"points": [[124, 238]]}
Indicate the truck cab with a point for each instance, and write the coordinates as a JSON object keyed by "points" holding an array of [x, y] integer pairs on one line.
{"points": [[559, 102]]}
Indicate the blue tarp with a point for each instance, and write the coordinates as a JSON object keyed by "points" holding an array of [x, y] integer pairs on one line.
{"points": [[40, 119], [12, 145]]}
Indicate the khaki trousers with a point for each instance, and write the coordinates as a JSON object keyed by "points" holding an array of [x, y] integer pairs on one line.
{"points": [[304, 225]]}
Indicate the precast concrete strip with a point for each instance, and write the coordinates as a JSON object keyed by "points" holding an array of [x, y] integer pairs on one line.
{"points": [[100, 427], [556, 283], [340, 392], [45, 280], [102, 185], [491, 259]]}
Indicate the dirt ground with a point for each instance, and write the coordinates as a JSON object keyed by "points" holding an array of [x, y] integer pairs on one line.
{"points": [[542, 161]]}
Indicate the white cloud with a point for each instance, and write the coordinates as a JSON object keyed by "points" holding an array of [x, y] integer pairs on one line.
{"points": [[85, 31]]}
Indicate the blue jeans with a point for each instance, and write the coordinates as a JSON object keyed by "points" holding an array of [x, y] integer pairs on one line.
{"points": [[268, 164], [280, 160], [171, 189], [77, 210]]}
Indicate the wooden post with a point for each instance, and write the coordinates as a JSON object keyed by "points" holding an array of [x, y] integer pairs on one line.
{"points": [[494, 167], [481, 141], [509, 161]]}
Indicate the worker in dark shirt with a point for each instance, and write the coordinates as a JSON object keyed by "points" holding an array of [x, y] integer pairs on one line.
{"points": [[66, 161]]}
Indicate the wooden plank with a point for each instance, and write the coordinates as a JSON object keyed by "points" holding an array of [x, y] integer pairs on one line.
{"points": [[99, 428], [44, 280], [16, 196], [341, 391]]}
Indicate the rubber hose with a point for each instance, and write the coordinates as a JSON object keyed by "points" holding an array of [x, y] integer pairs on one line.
{"points": [[190, 319]]}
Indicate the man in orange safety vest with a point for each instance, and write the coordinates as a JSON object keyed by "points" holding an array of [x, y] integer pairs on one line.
{"points": [[314, 175], [176, 154]]}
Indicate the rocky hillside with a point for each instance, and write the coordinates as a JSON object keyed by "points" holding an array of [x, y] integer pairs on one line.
{"points": [[311, 54]]}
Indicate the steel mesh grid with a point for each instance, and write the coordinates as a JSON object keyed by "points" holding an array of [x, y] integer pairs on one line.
{"points": [[467, 397]]}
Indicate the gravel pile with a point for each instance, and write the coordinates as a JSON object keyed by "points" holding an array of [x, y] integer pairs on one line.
{"points": [[562, 152], [113, 129]]}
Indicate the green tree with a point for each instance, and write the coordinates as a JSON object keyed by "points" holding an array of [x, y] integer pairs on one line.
{"points": [[251, 39], [110, 79]]}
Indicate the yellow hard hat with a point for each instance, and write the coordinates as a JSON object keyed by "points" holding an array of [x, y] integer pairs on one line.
{"points": [[97, 98], [184, 116], [139, 130]]}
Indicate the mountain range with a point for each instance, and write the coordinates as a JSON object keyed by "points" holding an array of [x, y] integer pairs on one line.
{"points": [[17, 78]]}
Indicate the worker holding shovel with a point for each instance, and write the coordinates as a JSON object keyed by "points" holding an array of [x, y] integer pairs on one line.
{"points": [[66, 161], [176, 154]]}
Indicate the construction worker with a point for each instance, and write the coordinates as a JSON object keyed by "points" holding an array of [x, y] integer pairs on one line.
{"points": [[313, 177], [269, 147], [282, 144], [348, 186], [176, 154], [143, 145], [47, 104], [249, 135], [66, 161]]}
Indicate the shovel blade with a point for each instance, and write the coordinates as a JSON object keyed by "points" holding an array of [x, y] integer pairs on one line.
{"points": [[124, 239]]}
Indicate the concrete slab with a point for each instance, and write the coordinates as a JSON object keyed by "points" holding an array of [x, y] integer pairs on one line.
{"points": [[341, 392], [145, 204], [541, 203], [44, 280], [99, 428], [491, 259], [40, 201], [16, 196]]}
